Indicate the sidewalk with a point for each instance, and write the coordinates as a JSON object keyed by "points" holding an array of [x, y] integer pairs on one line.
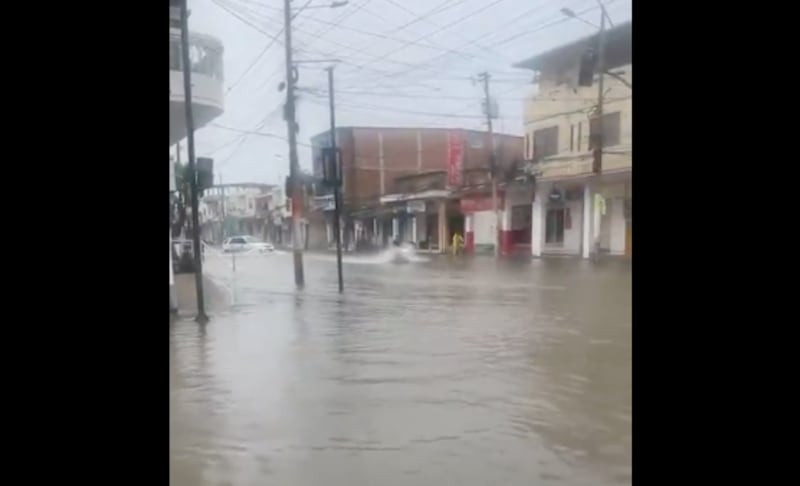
{"points": [[216, 297]]}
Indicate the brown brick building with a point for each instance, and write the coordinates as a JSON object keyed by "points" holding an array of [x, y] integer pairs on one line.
{"points": [[374, 157], [402, 183]]}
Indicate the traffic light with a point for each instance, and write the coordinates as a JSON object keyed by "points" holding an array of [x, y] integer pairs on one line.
{"points": [[587, 67], [332, 167], [205, 173]]}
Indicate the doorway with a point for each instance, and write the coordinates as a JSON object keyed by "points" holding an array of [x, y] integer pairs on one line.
{"points": [[554, 227]]}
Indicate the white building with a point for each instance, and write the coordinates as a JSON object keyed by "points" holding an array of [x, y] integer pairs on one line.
{"points": [[575, 210], [238, 209], [206, 69]]}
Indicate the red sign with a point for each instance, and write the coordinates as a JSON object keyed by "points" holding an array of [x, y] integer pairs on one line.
{"points": [[478, 204], [455, 158]]}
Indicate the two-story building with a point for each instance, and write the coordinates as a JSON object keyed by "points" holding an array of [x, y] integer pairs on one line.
{"points": [[577, 211]]}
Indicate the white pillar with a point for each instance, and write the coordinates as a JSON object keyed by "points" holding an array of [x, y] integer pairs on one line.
{"points": [[414, 229], [597, 201], [586, 233], [329, 232], [617, 244], [173, 303], [537, 223], [395, 228]]}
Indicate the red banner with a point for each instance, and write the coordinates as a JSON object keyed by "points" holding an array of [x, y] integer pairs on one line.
{"points": [[478, 204], [455, 158]]}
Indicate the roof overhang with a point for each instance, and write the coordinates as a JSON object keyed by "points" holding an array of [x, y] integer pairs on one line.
{"points": [[618, 50]]}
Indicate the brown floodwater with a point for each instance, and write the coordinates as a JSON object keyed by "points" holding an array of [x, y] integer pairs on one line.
{"points": [[468, 372]]}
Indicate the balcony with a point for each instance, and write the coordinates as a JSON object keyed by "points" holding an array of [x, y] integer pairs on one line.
{"points": [[206, 66], [616, 160]]}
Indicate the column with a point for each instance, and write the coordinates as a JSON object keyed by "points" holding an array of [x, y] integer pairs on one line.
{"points": [[505, 230], [329, 237], [443, 227], [587, 219], [173, 300], [414, 229], [537, 221], [395, 228]]}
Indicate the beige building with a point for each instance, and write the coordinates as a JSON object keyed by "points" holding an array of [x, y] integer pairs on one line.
{"points": [[575, 211]]}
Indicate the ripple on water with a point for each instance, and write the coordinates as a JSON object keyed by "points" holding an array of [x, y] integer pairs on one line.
{"points": [[471, 372]]}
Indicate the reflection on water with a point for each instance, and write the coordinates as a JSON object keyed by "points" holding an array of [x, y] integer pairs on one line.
{"points": [[452, 371]]}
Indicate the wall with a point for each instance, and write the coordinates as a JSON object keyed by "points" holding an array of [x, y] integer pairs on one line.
{"points": [[374, 157], [484, 224], [617, 237]]}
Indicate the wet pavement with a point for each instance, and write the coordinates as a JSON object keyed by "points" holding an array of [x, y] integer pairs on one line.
{"points": [[468, 372]]}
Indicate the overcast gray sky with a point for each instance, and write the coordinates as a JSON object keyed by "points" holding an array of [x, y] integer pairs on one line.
{"points": [[404, 63]]}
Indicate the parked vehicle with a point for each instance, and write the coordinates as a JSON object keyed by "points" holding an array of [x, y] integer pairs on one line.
{"points": [[239, 244]]}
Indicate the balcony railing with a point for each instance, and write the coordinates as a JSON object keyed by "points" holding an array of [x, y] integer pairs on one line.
{"points": [[616, 159], [205, 56]]}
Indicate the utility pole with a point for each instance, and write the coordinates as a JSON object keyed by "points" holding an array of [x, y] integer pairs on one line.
{"points": [[336, 186], [187, 89], [484, 76], [597, 155], [294, 169]]}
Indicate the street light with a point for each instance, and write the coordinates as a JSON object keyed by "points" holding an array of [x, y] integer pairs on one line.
{"points": [[571, 14]]}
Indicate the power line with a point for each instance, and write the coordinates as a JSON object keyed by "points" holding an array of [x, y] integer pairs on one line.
{"points": [[371, 34], [556, 21], [469, 41], [227, 6], [441, 29], [434, 59]]}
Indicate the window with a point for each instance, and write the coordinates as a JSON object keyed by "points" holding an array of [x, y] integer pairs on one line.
{"points": [[545, 142], [611, 130], [580, 135]]}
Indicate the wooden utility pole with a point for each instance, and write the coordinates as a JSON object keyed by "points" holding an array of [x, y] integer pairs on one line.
{"points": [[187, 91]]}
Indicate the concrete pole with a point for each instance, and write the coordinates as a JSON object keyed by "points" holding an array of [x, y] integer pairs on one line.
{"points": [[294, 165]]}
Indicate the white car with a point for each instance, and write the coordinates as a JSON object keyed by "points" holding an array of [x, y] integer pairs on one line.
{"points": [[238, 244]]}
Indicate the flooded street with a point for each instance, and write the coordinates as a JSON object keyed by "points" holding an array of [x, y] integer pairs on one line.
{"points": [[466, 371]]}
